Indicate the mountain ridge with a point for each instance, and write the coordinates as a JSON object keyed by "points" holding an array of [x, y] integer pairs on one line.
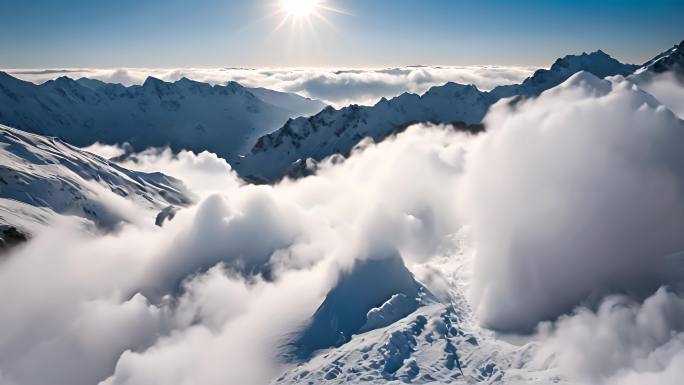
{"points": [[186, 114], [337, 131], [41, 176]]}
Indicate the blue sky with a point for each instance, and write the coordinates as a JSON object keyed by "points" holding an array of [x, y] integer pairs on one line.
{"points": [[210, 33]]}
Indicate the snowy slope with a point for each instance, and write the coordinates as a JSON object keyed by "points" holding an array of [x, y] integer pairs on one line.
{"points": [[40, 176], [360, 301], [338, 131], [432, 345], [440, 342], [184, 115], [598, 63], [670, 60], [296, 105], [437, 343], [663, 77]]}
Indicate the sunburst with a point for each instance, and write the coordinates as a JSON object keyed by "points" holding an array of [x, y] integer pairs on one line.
{"points": [[304, 12]]}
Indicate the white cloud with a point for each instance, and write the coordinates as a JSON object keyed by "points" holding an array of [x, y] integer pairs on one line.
{"points": [[622, 342], [197, 298], [337, 87], [205, 172], [667, 88], [576, 193], [105, 150]]}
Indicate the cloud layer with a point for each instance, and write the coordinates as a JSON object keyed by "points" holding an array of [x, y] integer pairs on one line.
{"points": [[568, 198], [335, 87], [196, 299]]}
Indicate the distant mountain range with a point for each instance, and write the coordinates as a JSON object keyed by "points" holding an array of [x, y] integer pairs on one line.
{"points": [[333, 131], [254, 128], [185, 114]]}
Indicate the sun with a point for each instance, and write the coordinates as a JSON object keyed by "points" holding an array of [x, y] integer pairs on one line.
{"points": [[300, 8], [302, 14]]}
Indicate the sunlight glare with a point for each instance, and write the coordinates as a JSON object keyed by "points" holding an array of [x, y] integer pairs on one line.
{"points": [[299, 8]]}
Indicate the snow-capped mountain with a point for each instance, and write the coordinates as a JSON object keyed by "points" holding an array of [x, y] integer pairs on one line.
{"points": [[437, 341], [360, 302], [41, 176], [598, 63], [338, 131], [183, 115], [670, 60], [433, 345]]}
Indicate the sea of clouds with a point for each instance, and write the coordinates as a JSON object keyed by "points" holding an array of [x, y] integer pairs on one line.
{"points": [[337, 87], [574, 203]]}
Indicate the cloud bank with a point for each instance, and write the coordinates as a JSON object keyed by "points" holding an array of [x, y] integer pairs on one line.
{"points": [[623, 342], [196, 300], [576, 193], [337, 87], [668, 89]]}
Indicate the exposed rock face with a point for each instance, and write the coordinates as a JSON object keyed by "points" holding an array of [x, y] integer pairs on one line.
{"points": [[367, 295], [10, 237]]}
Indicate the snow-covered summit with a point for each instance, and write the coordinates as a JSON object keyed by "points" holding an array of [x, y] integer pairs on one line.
{"points": [[183, 115], [598, 63], [362, 302], [669, 60], [337, 131], [41, 176], [438, 342]]}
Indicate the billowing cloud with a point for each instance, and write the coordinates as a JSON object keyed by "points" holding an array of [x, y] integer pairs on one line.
{"points": [[667, 88], [576, 193], [623, 342], [205, 172], [197, 299], [335, 87]]}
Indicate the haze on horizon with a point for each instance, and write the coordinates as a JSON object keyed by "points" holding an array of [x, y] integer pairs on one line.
{"points": [[348, 33]]}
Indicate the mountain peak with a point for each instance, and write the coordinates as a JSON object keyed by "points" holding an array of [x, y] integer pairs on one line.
{"points": [[151, 81], [64, 81], [187, 81], [233, 85], [670, 60], [10, 81], [356, 294], [597, 63], [597, 57]]}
